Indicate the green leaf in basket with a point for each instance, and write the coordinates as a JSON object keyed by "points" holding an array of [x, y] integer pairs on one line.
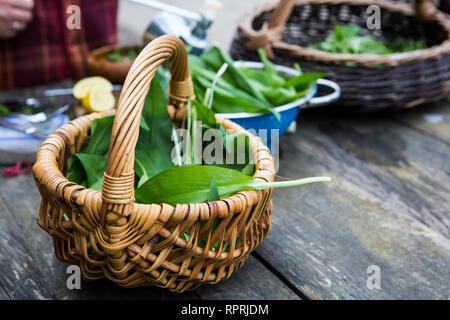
{"points": [[192, 184], [346, 39], [196, 61], [149, 162], [76, 172], [213, 191], [94, 166], [205, 115], [155, 108], [154, 147], [237, 148], [100, 135], [153, 151], [249, 169]]}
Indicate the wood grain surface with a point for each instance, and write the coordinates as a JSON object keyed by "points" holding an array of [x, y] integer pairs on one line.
{"points": [[388, 205]]}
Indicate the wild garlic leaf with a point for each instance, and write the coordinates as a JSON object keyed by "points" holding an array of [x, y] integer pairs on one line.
{"points": [[269, 67], [249, 169], [154, 147], [224, 90], [217, 57], [191, 184], [303, 81], [346, 39], [94, 165], [100, 135], [213, 191], [76, 172], [225, 102], [205, 115]]}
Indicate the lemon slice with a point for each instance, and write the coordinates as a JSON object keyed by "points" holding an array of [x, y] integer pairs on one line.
{"points": [[82, 88], [98, 99]]}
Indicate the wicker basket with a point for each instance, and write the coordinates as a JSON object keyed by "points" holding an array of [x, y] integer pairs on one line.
{"points": [[108, 235], [371, 82]]}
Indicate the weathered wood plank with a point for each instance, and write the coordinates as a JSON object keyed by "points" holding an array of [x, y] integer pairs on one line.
{"points": [[433, 119], [21, 276], [30, 270], [255, 283], [404, 167], [3, 294], [388, 206]]}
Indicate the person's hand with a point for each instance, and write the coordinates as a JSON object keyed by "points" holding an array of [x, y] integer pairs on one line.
{"points": [[14, 16]]}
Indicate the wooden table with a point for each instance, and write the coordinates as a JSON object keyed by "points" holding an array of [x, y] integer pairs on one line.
{"points": [[388, 206]]}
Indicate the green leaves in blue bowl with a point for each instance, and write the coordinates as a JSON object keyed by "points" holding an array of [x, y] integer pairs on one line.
{"points": [[243, 89]]}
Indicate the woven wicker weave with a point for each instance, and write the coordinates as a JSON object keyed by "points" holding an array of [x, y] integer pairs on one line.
{"points": [[108, 235], [368, 82], [443, 5]]}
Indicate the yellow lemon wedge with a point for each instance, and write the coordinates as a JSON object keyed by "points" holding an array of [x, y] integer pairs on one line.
{"points": [[98, 99], [82, 88]]}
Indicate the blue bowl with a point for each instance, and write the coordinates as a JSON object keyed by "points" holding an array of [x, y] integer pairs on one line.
{"points": [[266, 125]]}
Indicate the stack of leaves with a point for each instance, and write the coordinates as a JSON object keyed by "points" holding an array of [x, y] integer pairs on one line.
{"points": [[243, 89], [157, 175], [346, 39]]}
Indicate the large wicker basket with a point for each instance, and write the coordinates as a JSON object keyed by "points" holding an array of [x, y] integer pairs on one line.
{"points": [[108, 235], [368, 82]]}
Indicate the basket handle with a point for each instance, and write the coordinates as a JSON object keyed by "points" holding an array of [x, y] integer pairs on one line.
{"points": [[118, 181], [272, 30], [424, 9], [281, 13]]}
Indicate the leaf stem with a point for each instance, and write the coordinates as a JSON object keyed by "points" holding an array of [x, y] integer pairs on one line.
{"points": [[213, 86], [290, 183]]}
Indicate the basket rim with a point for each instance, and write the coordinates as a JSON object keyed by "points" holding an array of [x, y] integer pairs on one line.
{"points": [[72, 193], [245, 24]]}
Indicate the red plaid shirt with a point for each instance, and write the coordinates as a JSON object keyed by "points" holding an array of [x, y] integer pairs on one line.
{"points": [[47, 51]]}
